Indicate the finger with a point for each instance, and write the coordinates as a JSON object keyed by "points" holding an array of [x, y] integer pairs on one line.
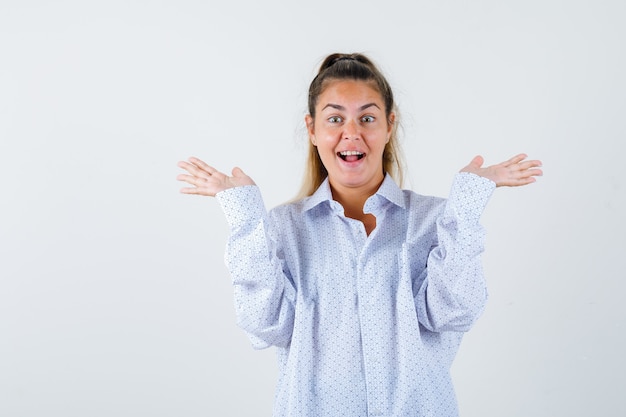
{"points": [[514, 160], [477, 161], [203, 165], [186, 165], [529, 164], [185, 178], [194, 169], [183, 164], [525, 181], [238, 172], [201, 184], [196, 166], [516, 182], [193, 180], [525, 177], [534, 172]]}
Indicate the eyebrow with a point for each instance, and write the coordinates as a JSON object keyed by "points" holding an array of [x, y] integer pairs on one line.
{"points": [[342, 108]]}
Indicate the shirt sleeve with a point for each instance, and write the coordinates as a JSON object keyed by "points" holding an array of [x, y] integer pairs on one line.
{"points": [[264, 296], [453, 293]]}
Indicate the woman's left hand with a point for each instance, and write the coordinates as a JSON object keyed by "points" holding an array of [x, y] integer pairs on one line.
{"points": [[512, 173]]}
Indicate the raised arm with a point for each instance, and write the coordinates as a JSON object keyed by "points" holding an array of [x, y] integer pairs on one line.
{"points": [[207, 180], [452, 292], [264, 294]]}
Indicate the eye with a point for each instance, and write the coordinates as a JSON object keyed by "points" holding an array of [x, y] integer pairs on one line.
{"points": [[335, 119], [367, 119]]}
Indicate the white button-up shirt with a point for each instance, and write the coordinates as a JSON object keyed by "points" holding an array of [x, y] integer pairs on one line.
{"points": [[364, 325]]}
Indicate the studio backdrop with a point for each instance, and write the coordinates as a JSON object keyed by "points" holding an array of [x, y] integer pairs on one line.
{"points": [[114, 297]]}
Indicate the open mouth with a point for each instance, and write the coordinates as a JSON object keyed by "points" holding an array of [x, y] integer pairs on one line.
{"points": [[350, 156]]}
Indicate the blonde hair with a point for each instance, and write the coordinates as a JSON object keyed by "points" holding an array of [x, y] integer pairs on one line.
{"points": [[354, 67]]}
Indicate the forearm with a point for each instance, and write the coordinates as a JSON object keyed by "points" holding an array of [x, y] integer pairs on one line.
{"points": [[453, 293], [263, 293]]}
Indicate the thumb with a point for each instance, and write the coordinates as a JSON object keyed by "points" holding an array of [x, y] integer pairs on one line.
{"points": [[240, 178], [477, 162], [238, 172]]}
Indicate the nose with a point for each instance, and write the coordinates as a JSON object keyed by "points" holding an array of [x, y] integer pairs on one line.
{"points": [[351, 130]]}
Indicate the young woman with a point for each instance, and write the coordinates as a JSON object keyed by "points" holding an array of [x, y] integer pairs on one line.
{"points": [[364, 288]]}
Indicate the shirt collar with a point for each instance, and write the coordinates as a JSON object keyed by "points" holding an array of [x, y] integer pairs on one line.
{"points": [[389, 190], [320, 195]]}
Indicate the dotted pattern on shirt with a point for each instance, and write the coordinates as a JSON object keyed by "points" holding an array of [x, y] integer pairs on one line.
{"points": [[364, 326]]}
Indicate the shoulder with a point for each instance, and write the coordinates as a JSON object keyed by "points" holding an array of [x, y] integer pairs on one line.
{"points": [[289, 212], [415, 201]]}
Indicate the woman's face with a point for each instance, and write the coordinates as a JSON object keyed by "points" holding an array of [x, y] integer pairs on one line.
{"points": [[350, 132]]}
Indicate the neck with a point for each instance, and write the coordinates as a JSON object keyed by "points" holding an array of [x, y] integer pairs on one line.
{"points": [[353, 198]]}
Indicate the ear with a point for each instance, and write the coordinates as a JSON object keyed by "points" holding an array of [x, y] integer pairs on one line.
{"points": [[310, 127], [391, 121]]}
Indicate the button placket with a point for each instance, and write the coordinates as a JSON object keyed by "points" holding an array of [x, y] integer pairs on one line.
{"points": [[369, 321]]}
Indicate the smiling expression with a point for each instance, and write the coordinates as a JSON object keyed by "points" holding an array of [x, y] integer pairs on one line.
{"points": [[350, 131]]}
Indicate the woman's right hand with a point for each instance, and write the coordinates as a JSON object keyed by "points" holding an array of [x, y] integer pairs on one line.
{"points": [[208, 181]]}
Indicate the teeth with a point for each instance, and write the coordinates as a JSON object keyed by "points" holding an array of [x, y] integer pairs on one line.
{"points": [[348, 153]]}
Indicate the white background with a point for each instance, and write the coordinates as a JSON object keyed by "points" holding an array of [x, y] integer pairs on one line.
{"points": [[113, 295]]}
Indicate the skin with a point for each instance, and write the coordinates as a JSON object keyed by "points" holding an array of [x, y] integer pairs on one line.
{"points": [[350, 116]]}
